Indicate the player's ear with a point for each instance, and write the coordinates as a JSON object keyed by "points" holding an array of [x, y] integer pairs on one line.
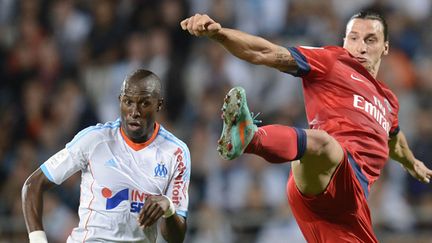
{"points": [[386, 48], [160, 103]]}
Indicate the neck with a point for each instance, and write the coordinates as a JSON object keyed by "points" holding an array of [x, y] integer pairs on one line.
{"points": [[374, 69], [141, 139], [138, 144], [373, 73], [144, 138]]}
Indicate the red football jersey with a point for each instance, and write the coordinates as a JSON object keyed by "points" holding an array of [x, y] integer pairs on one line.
{"points": [[342, 98]]}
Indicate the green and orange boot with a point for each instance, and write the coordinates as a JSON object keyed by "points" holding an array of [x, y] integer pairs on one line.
{"points": [[239, 126]]}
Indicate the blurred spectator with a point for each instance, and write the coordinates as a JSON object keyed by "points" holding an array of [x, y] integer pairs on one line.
{"points": [[106, 33], [212, 226], [62, 63], [70, 28], [55, 211], [281, 223]]}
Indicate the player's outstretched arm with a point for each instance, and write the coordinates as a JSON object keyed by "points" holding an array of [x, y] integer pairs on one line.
{"points": [[32, 202], [400, 151], [173, 227], [250, 48]]}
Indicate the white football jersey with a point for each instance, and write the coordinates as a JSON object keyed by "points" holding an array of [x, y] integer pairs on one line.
{"points": [[116, 177]]}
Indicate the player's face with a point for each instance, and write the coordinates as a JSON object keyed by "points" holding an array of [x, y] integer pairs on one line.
{"points": [[138, 106], [365, 41]]}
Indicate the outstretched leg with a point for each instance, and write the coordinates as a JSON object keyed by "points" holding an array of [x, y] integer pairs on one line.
{"points": [[319, 153], [315, 154], [278, 144]]}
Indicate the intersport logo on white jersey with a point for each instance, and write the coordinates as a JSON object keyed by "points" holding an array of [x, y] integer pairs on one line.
{"points": [[136, 198]]}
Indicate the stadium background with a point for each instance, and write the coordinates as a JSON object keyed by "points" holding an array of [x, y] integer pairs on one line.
{"points": [[62, 63]]}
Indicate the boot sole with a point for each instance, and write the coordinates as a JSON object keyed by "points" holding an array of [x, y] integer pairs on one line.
{"points": [[230, 114]]}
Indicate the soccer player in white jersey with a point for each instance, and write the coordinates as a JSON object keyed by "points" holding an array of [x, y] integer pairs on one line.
{"points": [[133, 172]]}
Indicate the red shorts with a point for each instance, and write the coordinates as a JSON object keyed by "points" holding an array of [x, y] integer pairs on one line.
{"points": [[340, 213]]}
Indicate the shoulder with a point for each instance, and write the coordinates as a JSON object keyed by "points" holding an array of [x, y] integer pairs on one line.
{"points": [[315, 62], [393, 100], [96, 133], [317, 55], [336, 49], [171, 142], [328, 49]]}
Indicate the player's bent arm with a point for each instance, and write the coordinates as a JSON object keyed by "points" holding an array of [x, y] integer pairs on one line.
{"points": [[248, 47], [32, 201], [256, 50], [173, 229], [400, 151]]}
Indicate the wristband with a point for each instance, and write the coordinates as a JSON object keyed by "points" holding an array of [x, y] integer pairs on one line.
{"points": [[171, 210], [38, 236]]}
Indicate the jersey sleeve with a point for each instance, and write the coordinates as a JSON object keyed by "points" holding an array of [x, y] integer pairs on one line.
{"points": [[178, 187], [394, 129], [313, 62], [69, 160]]}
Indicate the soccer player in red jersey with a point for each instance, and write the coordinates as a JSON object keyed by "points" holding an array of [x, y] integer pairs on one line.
{"points": [[353, 121]]}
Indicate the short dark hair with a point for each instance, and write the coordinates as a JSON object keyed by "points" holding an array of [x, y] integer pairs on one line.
{"points": [[143, 74], [368, 14]]}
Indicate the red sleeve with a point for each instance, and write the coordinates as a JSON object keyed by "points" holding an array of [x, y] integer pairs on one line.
{"points": [[394, 129], [313, 62]]}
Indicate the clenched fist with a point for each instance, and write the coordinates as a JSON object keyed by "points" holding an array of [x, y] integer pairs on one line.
{"points": [[154, 208], [201, 25]]}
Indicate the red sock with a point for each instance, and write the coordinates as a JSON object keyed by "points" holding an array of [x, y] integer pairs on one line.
{"points": [[277, 143]]}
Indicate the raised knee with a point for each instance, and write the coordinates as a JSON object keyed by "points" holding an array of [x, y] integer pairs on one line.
{"points": [[319, 142]]}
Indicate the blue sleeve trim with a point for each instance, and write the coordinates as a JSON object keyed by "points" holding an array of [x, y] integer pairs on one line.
{"points": [[85, 131], [394, 132], [364, 182], [46, 173], [303, 65], [301, 142], [168, 136], [182, 213]]}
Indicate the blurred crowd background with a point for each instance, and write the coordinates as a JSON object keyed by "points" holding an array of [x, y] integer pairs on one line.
{"points": [[62, 63]]}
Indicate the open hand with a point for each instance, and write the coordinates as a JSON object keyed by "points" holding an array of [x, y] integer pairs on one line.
{"points": [[419, 171], [154, 207], [201, 25]]}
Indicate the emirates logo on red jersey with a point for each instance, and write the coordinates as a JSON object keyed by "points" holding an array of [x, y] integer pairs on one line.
{"points": [[376, 110]]}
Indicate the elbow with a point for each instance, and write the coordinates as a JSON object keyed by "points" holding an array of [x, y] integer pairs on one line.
{"points": [[260, 58], [180, 237], [29, 189], [174, 233], [25, 189], [26, 199], [35, 184], [256, 59], [253, 56]]}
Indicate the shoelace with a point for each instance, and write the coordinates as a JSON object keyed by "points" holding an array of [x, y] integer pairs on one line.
{"points": [[254, 120]]}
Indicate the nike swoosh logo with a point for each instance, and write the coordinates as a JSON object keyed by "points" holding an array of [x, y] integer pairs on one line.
{"points": [[357, 79]]}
